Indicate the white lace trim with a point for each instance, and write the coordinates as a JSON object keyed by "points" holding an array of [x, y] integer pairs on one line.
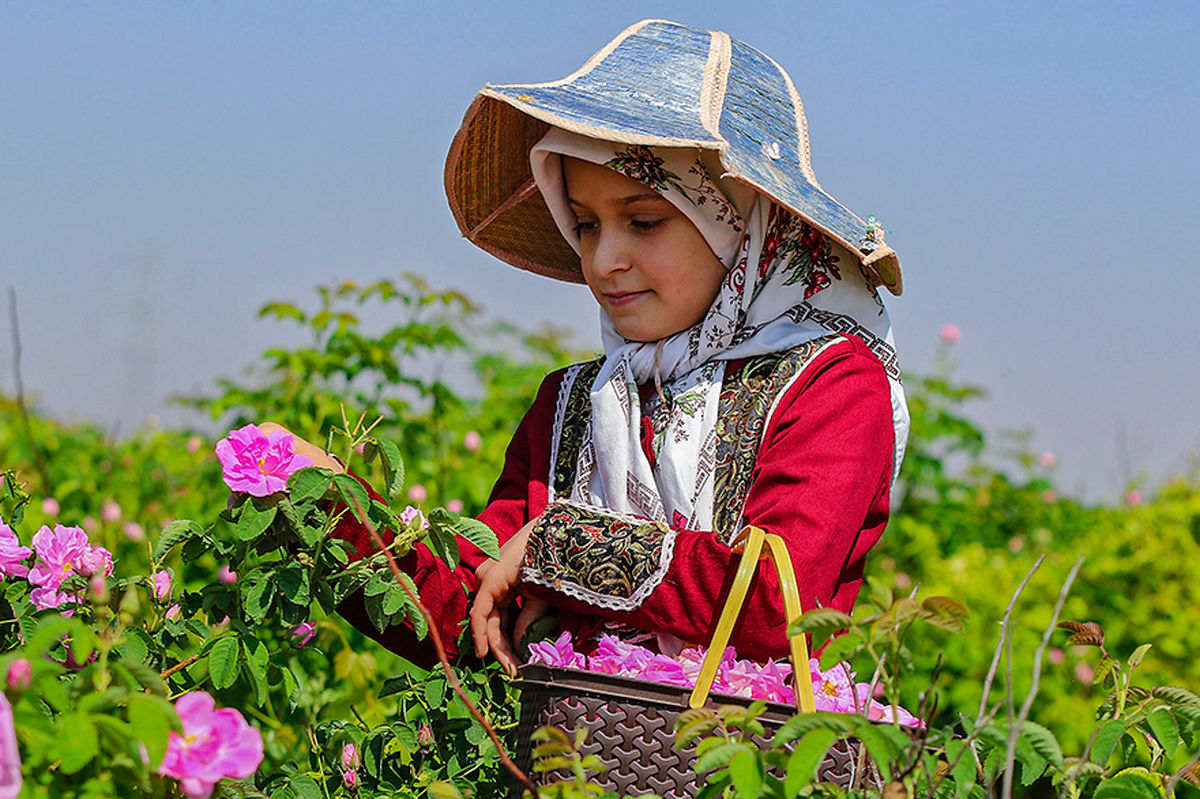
{"points": [[586, 595], [560, 411]]}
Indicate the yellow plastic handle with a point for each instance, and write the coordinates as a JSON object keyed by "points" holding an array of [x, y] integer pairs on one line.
{"points": [[750, 543]]}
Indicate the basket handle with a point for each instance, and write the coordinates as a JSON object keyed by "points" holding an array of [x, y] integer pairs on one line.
{"points": [[750, 543]]}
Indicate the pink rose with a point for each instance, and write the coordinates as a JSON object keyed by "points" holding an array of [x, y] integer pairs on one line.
{"points": [[950, 333], [409, 513], [1047, 460], [257, 463], [173, 611], [455, 506], [134, 531], [215, 744], [417, 493], [226, 575], [303, 633], [50, 506], [110, 511], [349, 778], [20, 675], [350, 756], [12, 554], [472, 441], [10, 755], [162, 585], [61, 552]]}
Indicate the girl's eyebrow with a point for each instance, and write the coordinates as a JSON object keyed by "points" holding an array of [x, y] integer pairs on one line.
{"points": [[630, 200]]}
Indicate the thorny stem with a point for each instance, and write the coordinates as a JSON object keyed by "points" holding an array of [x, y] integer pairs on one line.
{"points": [[436, 637], [1014, 730]]}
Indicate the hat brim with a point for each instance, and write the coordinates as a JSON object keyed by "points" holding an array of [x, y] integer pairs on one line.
{"points": [[497, 206]]}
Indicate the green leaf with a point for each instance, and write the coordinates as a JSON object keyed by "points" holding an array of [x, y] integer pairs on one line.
{"points": [[944, 612], [223, 661], [880, 746], [174, 533], [393, 469], [294, 582], [152, 719], [77, 742], [1106, 740], [962, 764], [420, 626], [354, 495], [258, 595], [305, 787], [839, 649], [1174, 695], [820, 620], [803, 724], [470, 529], [719, 756], [1043, 742], [435, 691], [253, 522], [746, 773], [256, 664], [310, 482], [394, 599], [1165, 730], [1127, 786], [1138, 655], [806, 758], [443, 790]]}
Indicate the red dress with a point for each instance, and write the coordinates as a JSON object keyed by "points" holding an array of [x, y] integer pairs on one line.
{"points": [[820, 479]]}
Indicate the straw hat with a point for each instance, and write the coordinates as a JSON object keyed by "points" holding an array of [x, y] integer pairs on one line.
{"points": [[657, 84]]}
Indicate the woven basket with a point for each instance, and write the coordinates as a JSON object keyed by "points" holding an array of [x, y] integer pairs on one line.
{"points": [[631, 728], [631, 723]]}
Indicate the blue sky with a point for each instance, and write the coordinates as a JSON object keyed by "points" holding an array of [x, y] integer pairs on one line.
{"points": [[165, 168]]}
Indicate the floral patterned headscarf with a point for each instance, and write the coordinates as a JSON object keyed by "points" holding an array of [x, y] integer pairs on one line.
{"points": [[786, 284]]}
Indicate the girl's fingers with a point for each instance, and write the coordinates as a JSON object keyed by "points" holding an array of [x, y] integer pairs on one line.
{"points": [[481, 610], [501, 649]]}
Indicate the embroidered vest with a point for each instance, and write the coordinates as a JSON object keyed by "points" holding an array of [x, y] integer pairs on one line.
{"points": [[748, 398]]}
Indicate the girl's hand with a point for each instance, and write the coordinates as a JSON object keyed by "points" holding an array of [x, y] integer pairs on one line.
{"points": [[532, 609], [498, 581], [319, 456]]}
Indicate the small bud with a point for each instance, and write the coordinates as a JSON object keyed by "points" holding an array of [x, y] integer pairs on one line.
{"points": [[20, 674], [350, 756], [425, 735], [303, 633], [162, 585], [226, 575], [349, 778]]}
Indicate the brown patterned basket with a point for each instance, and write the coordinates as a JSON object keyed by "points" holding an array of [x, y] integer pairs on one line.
{"points": [[631, 728], [631, 723]]}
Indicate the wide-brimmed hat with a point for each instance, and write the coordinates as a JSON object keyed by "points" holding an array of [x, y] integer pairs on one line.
{"points": [[659, 84]]}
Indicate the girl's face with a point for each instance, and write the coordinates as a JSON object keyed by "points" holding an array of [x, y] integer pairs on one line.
{"points": [[645, 262]]}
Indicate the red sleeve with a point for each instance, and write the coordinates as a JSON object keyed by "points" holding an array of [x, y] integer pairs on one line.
{"points": [[821, 481], [444, 591]]}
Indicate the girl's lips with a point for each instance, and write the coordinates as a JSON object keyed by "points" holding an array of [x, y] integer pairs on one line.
{"points": [[624, 298]]}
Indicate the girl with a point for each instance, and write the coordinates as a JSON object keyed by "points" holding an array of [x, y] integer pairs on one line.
{"points": [[748, 376]]}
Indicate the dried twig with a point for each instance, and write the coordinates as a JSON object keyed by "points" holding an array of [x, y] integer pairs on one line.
{"points": [[1014, 729], [38, 461], [436, 637], [1004, 631]]}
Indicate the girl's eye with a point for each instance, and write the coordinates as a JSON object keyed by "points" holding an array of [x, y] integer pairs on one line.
{"points": [[585, 227], [646, 224]]}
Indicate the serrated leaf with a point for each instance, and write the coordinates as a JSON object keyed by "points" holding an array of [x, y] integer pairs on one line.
{"points": [[961, 762], [257, 597], [353, 495], [223, 661], [1138, 655], [1162, 723], [470, 529], [152, 719], [78, 742], [879, 746], [746, 773], [840, 649], [294, 582], [175, 533], [420, 626], [1103, 668], [253, 522], [806, 758], [944, 613], [444, 544], [1106, 740], [692, 725], [393, 469], [820, 620], [719, 755], [306, 787], [435, 691], [803, 724], [1127, 786], [256, 663], [1043, 742], [311, 482], [443, 790], [1084, 633], [1174, 695]]}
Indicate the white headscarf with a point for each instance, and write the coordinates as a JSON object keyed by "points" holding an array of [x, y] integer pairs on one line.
{"points": [[786, 285]]}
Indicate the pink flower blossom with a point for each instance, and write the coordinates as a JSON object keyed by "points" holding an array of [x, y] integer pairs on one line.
{"points": [[417, 493], [194, 443], [10, 755], [61, 552], [1047, 460], [226, 575], [20, 675], [257, 463], [350, 756], [50, 506], [1084, 673], [349, 778], [950, 333], [173, 611], [409, 513], [110, 511], [455, 506], [215, 744], [134, 531], [12, 554], [1056, 656], [559, 653], [1134, 497], [162, 585], [303, 633], [472, 441]]}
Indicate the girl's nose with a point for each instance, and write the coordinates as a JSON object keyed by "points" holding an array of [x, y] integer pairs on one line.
{"points": [[611, 255]]}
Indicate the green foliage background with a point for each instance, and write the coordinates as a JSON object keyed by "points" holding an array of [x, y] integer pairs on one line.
{"points": [[972, 514]]}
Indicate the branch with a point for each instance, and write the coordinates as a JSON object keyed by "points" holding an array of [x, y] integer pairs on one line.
{"points": [[38, 461], [1014, 730], [436, 636]]}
